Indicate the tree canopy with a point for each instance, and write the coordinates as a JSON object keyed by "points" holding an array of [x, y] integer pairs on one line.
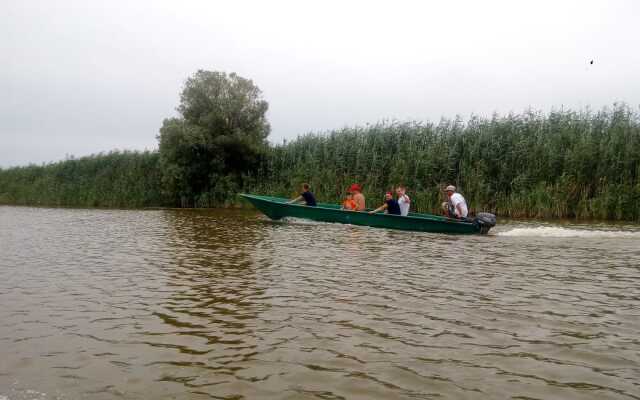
{"points": [[219, 137]]}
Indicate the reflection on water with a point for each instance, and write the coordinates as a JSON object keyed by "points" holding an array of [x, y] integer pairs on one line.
{"points": [[226, 304]]}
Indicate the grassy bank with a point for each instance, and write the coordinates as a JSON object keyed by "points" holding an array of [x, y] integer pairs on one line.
{"points": [[562, 164]]}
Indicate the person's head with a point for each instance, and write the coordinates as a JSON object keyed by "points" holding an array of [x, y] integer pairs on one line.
{"points": [[349, 195], [401, 190], [355, 188], [305, 187], [450, 190], [388, 196]]}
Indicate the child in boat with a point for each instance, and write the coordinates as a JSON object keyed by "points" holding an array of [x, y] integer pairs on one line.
{"points": [[390, 205], [349, 204], [306, 195], [403, 200]]}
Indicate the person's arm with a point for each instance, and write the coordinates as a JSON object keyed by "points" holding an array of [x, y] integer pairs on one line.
{"points": [[297, 199], [382, 207]]}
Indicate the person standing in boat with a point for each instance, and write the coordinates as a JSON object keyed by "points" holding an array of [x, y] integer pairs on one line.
{"points": [[358, 197], [305, 196], [390, 205], [403, 200], [456, 205]]}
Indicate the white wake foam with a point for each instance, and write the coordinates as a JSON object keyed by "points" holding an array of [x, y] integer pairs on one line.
{"points": [[548, 231], [25, 395]]}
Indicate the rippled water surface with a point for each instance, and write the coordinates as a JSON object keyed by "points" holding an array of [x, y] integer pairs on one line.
{"points": [[226, 304]]}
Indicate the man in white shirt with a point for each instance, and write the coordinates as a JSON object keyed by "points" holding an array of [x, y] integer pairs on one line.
{"points": [[403, 200], [456, 206]]}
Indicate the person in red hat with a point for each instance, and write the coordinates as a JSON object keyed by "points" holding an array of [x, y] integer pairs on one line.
{"points": [[358, 197], [390, 205]]}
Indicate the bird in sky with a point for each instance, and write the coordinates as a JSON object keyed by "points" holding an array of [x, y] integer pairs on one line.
{"points": [[591, 62]]}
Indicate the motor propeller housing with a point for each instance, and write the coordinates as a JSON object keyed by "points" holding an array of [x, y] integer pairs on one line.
{"points": [[484, 221]]}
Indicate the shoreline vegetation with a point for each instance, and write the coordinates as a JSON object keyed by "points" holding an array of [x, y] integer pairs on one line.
{"points": [[564, 164], [561, 164]]}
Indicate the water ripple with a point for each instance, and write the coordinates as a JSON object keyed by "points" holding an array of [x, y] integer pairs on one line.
{"points": [[228, 305]]}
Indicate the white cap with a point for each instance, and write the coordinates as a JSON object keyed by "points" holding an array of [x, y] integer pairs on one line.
{"points": [[450, 188]]}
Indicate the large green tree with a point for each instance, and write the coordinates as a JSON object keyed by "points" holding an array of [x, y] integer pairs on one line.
{"points": [[218, 139]]}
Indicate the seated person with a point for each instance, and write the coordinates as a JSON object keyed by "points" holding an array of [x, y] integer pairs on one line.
{"points": [[390, 205], [306, 195], [349, 204], [403, 200], [456, 205], [358, 197]]}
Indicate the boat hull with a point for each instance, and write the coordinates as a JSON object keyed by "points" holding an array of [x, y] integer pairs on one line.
{"points": [[277, 208]]}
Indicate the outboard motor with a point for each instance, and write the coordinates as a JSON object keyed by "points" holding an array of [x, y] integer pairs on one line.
{"points": [[484, 222]]}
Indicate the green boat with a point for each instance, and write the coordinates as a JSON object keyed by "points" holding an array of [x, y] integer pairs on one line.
{"points": [[277, 208]]}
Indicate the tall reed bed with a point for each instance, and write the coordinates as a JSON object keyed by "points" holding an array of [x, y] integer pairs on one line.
{"points": [[561, 164], [116, 179]]}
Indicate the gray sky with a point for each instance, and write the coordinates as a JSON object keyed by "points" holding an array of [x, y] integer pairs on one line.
{"points": [[80, 77]]}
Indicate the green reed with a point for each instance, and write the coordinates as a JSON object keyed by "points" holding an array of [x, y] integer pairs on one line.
{"points": [[116, 179], [561, 164]]}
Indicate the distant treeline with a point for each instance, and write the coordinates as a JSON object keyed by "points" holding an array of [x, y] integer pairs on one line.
{"points": [[561, 164]]}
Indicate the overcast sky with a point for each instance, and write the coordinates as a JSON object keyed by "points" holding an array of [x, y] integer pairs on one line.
{"points": [[81, 77]]}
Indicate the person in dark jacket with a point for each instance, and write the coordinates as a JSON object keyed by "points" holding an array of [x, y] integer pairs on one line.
{"points": [[306, 196], [390, 205]]}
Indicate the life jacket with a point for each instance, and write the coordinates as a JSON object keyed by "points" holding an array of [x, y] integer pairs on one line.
{"points": [[349, 204]]}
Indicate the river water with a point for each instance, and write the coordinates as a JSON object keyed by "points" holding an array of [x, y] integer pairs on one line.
{"points": [[154, 304]]}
